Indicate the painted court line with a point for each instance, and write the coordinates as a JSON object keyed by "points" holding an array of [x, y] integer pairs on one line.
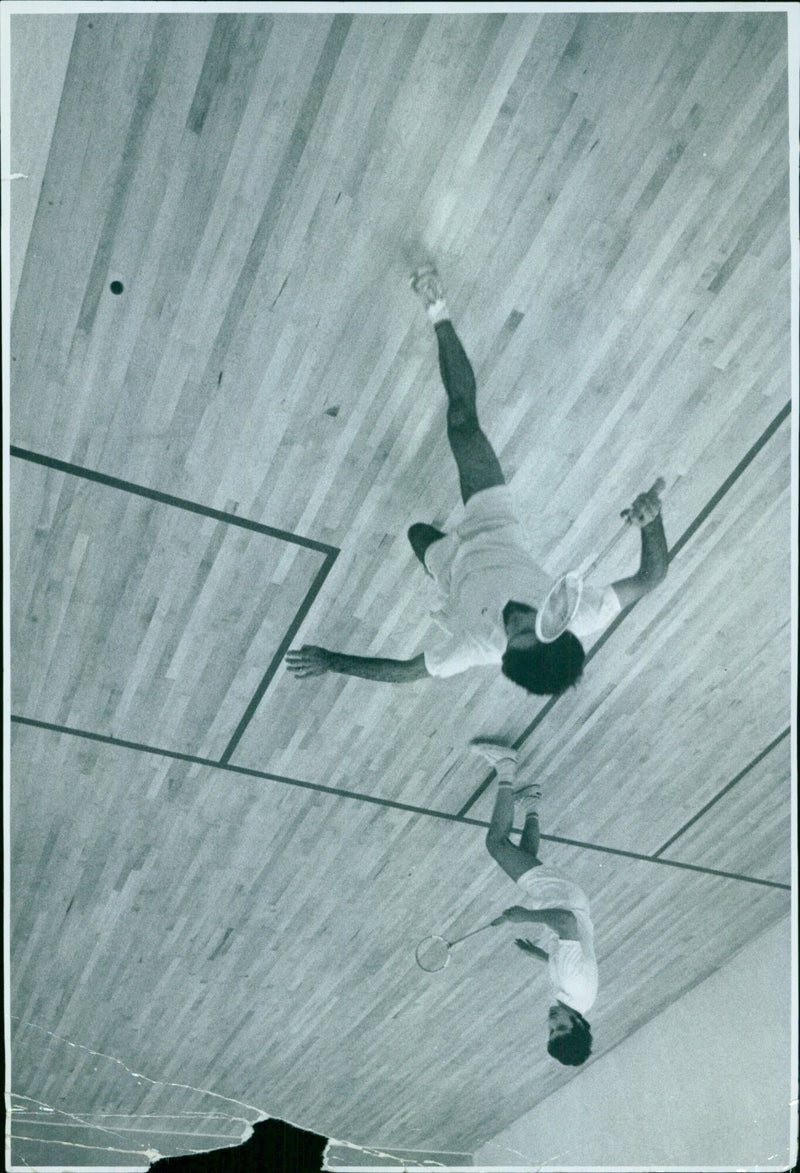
{"points": [[331, 553], [277, 659], [101, 478], [729, 786], [389, 803]]}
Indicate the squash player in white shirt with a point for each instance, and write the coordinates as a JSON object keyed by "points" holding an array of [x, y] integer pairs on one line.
{"points": [[488, 583], [554, 902]]}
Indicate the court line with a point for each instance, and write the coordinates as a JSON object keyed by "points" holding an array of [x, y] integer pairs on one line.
{"points": [[389, 803], [277, 659], [331, 553], [733, 477], [729, 786], [688, 533], [101, 478]]}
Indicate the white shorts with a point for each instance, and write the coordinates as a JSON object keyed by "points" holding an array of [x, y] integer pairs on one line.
{"points": [[490, 520], [549, 887], [486, 511]]}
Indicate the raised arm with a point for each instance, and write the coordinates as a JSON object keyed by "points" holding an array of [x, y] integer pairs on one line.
{"points": [[314, 661], [646, 514]]}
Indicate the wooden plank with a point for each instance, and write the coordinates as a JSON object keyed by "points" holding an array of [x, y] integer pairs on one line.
{"points": [[35, 101]]}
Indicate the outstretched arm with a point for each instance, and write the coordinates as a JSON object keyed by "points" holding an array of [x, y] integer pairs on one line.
{"points": [[314, 661], [646, 514]]}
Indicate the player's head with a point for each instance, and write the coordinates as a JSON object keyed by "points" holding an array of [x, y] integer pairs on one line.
{"points": [[570, 1035], [544, 669]]}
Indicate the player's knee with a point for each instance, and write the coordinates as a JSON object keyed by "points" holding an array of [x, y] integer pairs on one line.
{"points": [[546, 669]]}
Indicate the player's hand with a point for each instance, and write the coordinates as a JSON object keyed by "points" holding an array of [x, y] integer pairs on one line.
{"points": [[645, 509], [525, 944], [308, 661], [516, 914]]}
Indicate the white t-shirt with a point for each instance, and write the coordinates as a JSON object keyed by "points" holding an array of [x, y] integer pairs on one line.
{"points": [[572, 966], [478, 568]]}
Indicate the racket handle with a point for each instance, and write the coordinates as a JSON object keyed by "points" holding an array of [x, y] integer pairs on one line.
{"points": [[658, 486], [490, 925]]}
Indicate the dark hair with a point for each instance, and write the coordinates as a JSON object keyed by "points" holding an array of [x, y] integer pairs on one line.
{"points": [[546, 669], [576, 1047]]}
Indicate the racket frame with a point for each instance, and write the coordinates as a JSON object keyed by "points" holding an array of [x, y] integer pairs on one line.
{"points": [[450, 944], [564, 578]]}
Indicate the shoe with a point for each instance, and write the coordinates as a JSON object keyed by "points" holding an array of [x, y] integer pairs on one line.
{"points": [[494, 752], [427, 284]]}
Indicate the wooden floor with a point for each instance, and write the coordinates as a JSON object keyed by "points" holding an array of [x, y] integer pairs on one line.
{"points": [[218, 872]]}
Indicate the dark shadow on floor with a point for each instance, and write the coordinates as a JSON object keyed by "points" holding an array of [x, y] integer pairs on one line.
{"points": [[274, 1147]]}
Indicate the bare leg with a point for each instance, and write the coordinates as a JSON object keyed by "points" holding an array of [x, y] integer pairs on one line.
{"points": [[503, 814], [512, 859], [530, 836], [504, 760], [478, 466]]}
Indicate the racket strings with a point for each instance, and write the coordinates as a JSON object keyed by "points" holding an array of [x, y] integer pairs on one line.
{"points": [[433, 953], [559, 607]]}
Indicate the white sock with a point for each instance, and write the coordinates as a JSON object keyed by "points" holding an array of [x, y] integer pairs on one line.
{"points": [[506, 770], [438, 312]]}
